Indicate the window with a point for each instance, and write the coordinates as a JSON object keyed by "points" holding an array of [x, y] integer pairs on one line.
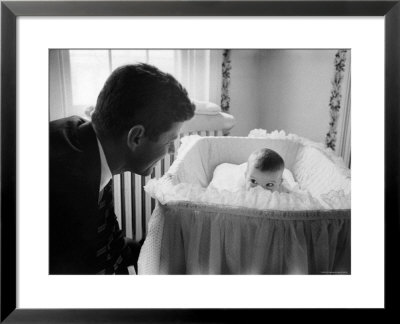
{"points": [[77, 76]]}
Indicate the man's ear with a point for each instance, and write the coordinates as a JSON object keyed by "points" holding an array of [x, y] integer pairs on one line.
{"points": [[135, 135]]}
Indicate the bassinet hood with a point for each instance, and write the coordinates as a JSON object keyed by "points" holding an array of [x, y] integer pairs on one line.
{"points": [[323, 178]]}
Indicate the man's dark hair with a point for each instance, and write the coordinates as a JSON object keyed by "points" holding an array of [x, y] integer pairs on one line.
{"points": [[267, 160], [141, 94]]}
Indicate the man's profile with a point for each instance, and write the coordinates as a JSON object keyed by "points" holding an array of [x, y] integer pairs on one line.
{"points": [[138, 115]]}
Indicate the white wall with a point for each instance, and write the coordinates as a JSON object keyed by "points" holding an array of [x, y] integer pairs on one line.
{"points": [[294, 91], [244, 90], [282, 89]]}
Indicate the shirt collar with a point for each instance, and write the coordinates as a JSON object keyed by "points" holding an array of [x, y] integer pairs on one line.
{"points": [[106, 175]]}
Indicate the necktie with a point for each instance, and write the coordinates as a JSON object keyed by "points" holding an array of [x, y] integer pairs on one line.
{"points": [[110, 238]]}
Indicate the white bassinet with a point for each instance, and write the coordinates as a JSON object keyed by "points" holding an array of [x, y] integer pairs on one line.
{"points": [[198, 230]]}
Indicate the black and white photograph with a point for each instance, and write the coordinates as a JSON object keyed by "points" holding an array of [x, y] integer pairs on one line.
{"points": [[197, 161], [200, 161]]}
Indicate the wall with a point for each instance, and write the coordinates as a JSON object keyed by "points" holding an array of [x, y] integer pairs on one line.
{"points": [[294, 91], [244, 90], [282, 89]]}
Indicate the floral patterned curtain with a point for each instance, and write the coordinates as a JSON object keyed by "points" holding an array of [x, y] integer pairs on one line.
{"points": [[226, 80], [336, 97]]}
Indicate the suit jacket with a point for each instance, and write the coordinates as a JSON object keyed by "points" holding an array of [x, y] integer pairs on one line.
{"points": [[75, 171]]}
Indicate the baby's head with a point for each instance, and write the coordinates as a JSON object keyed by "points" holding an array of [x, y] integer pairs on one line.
{"points": [[265, 168]]}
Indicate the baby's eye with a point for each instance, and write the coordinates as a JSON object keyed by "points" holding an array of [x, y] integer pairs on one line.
{"points": [[253, 181], [269, 185]]}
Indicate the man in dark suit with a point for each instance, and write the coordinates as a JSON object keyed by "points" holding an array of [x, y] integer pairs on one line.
{"points": [[138, 115]]}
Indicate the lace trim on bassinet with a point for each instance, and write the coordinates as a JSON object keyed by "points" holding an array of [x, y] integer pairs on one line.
{"points": [[165, 191]]}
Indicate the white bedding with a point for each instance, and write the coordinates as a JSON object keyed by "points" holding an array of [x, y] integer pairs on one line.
{"points": [[231, 177]]}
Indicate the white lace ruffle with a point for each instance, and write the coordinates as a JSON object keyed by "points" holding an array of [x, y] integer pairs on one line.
{"points": [[165, 191], [336, 200]]}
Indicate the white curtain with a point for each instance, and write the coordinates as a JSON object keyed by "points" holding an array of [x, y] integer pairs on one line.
{"points": [[77, 76], [343, 144]]}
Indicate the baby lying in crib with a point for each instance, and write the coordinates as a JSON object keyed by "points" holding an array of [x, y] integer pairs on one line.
{"points": [[264, 168]]}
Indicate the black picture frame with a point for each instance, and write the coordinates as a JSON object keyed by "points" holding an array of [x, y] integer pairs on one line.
{"points": [[11, 10]]}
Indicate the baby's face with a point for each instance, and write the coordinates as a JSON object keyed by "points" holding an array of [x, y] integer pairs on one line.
{"points": [[270, 180]]}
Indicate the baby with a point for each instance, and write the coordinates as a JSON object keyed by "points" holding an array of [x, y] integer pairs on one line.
{"points": [[264, 168]]}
